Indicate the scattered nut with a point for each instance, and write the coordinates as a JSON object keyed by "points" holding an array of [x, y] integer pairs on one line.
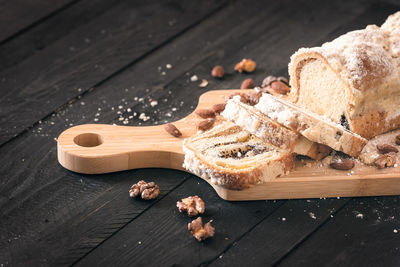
{"points": [[254, 97], [205, 124], [247, 84], [279, 87], [385, 148], [205, 113], [342, 164], [246, 65], [198, 231], [386, 160], [218, 108], [268, 80], [275, 85], [172, 130], [144, 190], [218, 71], [397, 139], [193, 205], [203, 83]]}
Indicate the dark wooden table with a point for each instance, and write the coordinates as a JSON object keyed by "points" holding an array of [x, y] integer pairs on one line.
{"points": [[69, 62]]}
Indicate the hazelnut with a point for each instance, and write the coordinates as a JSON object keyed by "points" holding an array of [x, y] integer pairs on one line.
{"points": [[218, 71], [247, 84]]}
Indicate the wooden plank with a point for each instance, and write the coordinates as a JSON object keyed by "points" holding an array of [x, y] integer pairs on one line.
{"points": [[364, 233], [278, 234], [74, 64], [152, 243], [43, 34], [67, 219], [18, 15]]}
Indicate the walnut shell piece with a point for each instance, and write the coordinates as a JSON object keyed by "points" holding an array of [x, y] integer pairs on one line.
{"points": [[386, 160], [246, 65], [199, 231], [145, 190], [193, 205]]}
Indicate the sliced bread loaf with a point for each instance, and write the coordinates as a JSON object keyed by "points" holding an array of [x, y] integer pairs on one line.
{"points": [[259, 124], [234, 158], [314, 127]]}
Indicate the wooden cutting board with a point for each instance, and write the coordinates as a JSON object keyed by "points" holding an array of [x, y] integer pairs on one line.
{"points": [[101, 148]]}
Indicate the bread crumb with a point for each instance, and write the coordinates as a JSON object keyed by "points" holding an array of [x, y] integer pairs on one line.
{"points": [[168, 66], [360, 216], [154, 103], [194, 78]]}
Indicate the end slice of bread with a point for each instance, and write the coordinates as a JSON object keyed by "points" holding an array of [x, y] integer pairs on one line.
{"points": [[314, 127], [232, 157], [259, 124]]}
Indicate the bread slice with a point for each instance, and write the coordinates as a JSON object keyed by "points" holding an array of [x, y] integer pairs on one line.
{"points": [[259, 124], [312, 126], [234, 158], [353, 80]]}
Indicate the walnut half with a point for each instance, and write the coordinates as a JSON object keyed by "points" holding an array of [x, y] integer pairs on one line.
{"points": [[192, 205], [144, 190], [198, 231]]}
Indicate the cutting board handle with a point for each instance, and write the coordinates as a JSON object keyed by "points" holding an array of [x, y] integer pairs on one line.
{"points": [[102, 148]]}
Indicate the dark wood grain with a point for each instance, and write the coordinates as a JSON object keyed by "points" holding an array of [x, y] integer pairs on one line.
{"points": [[43, 34], [86, 57], [281, 232], [18, 15], [144, 242], [363, 233], [54, 217], [68, 218]]}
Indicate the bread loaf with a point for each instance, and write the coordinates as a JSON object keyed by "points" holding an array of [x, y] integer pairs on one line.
{"points": [[353, 80]]}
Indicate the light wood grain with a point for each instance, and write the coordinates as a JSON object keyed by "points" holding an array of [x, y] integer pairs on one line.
{"points": [[100, 148]]}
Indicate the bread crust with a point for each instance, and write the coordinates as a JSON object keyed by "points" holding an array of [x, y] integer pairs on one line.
{"points": [[231, 178], [367, 62]]}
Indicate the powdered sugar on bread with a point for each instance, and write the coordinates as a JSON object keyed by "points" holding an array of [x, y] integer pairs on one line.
{"points": [[363, 68]]}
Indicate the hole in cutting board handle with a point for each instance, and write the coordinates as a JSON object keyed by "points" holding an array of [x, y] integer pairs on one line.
{"points": [[88, 140]]}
